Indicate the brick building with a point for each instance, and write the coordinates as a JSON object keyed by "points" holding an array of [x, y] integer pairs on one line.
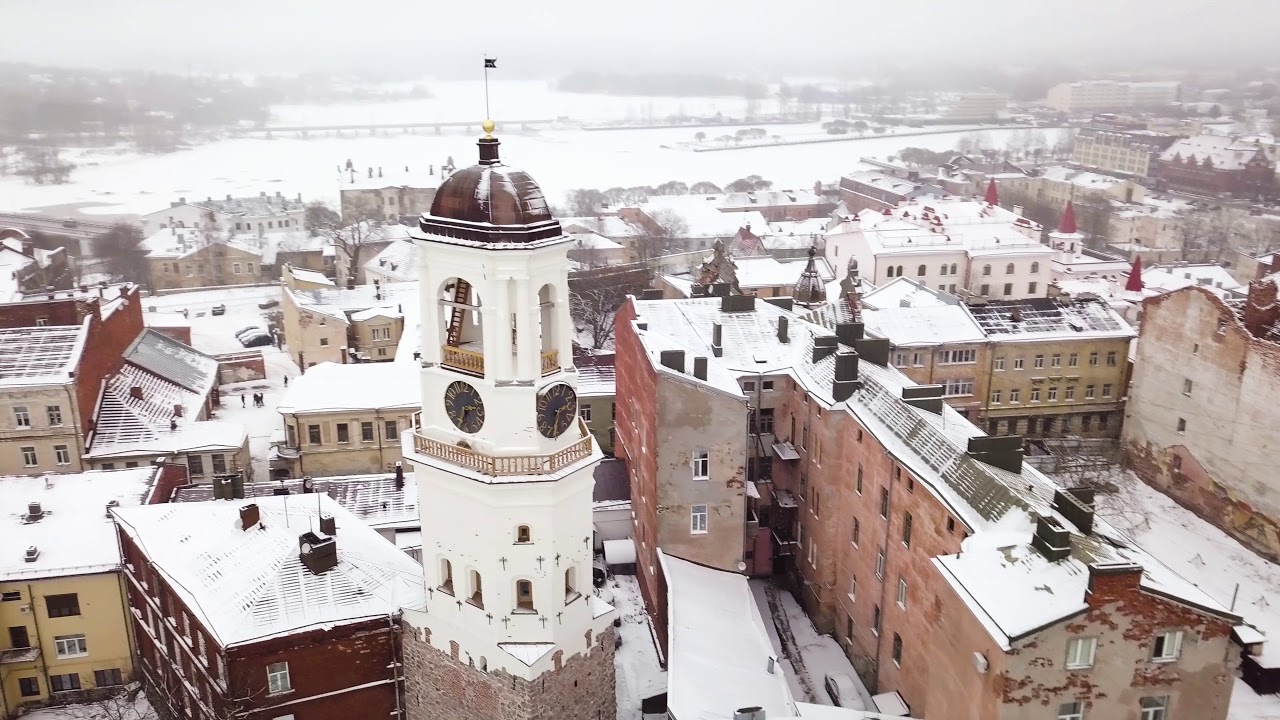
{"points": [[1214, 165], [871, 190], [1201, 411], [950, 572], [275, 608]]}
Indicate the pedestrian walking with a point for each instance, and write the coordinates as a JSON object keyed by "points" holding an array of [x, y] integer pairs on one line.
{"points": [[286, 381], [242, 399]]}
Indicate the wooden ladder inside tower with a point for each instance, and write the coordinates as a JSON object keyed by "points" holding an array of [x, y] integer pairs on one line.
{"points": [[461, 297]]}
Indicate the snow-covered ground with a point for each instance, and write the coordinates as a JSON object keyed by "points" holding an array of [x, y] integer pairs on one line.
{"points": [[638, 673], [1207, 557], [214, 334]]}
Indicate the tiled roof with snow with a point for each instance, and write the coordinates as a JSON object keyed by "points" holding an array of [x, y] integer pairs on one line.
{"points": [[40, 355], [333, 387], [375, 499], [398, 262], [884, 181], [147, 422], [1212, 277], [610, 226], [592, 241], [182, 364], [905, 292], [251, 206], [361, 297], [1049, 319], [769, 198], [313, 277], [246, 585], [929, 225], [74, 535], [923, 326], [765, 271], [596, 376], [1226, 153]]}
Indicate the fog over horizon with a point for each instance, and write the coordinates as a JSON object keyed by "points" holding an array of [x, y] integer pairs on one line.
{"points": [[544, 40]]}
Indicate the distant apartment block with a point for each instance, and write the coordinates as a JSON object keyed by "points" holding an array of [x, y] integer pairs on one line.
{"points": [[394, 196], [1095, 95], [1132, 152], [261, 214]]}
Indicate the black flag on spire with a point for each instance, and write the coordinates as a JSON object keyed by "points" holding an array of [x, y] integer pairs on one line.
{"points": [[491, 63]]}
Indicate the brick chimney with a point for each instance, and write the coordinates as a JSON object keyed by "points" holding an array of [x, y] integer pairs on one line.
{"points": [[248, 516], [1260, 310], [135, 391]]}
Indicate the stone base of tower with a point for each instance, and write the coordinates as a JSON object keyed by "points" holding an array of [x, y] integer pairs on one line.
{"points": [[441, 686]]}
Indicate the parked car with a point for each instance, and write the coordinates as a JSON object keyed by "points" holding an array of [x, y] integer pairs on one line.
{"points": [[249, 330], [267, 304], [257, 339], [842, 691], [219, 309]]}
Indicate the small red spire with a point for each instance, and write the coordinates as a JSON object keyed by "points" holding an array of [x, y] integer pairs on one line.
{"points": [[1068, 224], [993, 197], [1135, 275]]}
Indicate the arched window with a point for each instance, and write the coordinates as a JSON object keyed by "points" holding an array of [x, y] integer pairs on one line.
{"points": [[446, 576], [953, 268], [1035, 268], [889, 272], [1008, 269], [570, 584], [943, 271], [483, 664], [921, 271], [899, 271], [524, 595], [522, 534], [477, 591], [986, 269]]}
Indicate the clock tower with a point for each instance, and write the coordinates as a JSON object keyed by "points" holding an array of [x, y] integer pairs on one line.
{"points": [[504, 466]]}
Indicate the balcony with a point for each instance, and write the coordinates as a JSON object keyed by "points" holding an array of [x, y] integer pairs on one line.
{"points": [[503, 465], [471, 361], [19, 655]]}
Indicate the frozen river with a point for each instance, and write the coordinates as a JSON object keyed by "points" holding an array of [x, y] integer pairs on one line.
{"points": [[125, 182]]}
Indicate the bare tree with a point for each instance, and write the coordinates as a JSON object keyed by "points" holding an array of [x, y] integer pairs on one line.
{"points": [[121, 250], [586, 202], [594, 310], [44, 165], [361, 225], [320, 216]]}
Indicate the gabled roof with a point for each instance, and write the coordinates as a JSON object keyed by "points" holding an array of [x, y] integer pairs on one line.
{"points": [[40, 355], [248, 585], [374, 498], [333, 387], [398, 262], [127, 425], [174, 361]]}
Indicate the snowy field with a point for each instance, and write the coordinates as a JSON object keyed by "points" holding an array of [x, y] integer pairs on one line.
{"points": [[215, 334], [122, 182], [1207, 557]]}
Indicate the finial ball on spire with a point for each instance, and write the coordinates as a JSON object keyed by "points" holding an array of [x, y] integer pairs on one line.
{"points": [[488, 126]]}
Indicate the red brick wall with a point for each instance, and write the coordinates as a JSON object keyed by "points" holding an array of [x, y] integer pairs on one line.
{"points": [[955, 682], [104, 353], [634, 421], [170, 477], [55, 312]]}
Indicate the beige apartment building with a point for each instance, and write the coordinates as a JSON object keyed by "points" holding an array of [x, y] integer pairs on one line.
{"points": [[330, 324], [208, 265], [40, 427], [390, 196], [1128, 151], [596, 392], [346, 419]]}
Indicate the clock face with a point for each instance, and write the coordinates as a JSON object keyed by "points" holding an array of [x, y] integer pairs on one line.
{"points": [[557, 407], [464, 407]]}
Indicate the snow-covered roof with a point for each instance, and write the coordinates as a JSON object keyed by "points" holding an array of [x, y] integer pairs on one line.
{"points": [[884, 181], [393, 177], [610, 226], [718, 651], [340, 301], [397, 262], [769, 198], [905, 292], [1226, 153], [248, 585], [376, 312], [702, 215], [1158, 279], [181, 364], [1050, 319], [597, 377], [147, 421], [766, 271], [312, 277], [333, 387], [262, 205], [165, 319], [592, 241], [40, 355], [932, 225], [375, 499], [74, 535], [922, 326], [1080, 178]]}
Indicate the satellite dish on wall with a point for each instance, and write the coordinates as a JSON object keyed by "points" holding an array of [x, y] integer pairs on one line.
{"points": [[741, 566]]}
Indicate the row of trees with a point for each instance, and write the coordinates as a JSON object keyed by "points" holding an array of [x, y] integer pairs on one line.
{"points": [[589, 202]]}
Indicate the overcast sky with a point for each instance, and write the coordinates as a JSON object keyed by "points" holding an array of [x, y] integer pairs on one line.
{"points": [[547, 37]]}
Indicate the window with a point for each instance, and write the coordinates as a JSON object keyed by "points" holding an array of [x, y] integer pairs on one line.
{"points": [[42, 321], [953, 388], [235, 267], [584, 412], [953, 268], [344, 435], [219, 463], [278, 678], [884, 503], [1111, 359], [875, 620], [748, 385], [921, 271], [889, 271], [1008, 289], [69, 646], [1106, 390], [29, 457], [1031, 288], [701, 465], [1008, 269], [1186, 387], [1155, 708], [765, 418], [55, 414], [1053, 393], [880, 564], [1038, 362], [813, 553], [1071, 711], [995, 397], [1055, 360], [906, 530], [767, 385], [985, 290], [324, 342], [21, 417], [366, 432], [1093, 359], [1168, 646], [313, 434], [1080, 652], [477, 590], [698, 520], [446, 576], [1035, 394], [106, 678], [28, 686], [63, 683], [942, 270], [1073, 360], [1015, 395], [62, 605], [857, 531], [986, 269], [902, 592], [1070, 392], [1195, 348], [858, 482], [61, 454], [524, 595], [195, 465], [523, 534], [1017, 363], [901, 359], [570, 584], [1035, 268], [11, 596], [853, 591], [389, 430], [999, 363], [897, 649], [1177, 463], [951, 357], [252, 268], [951, 525], [1088, 392]]}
